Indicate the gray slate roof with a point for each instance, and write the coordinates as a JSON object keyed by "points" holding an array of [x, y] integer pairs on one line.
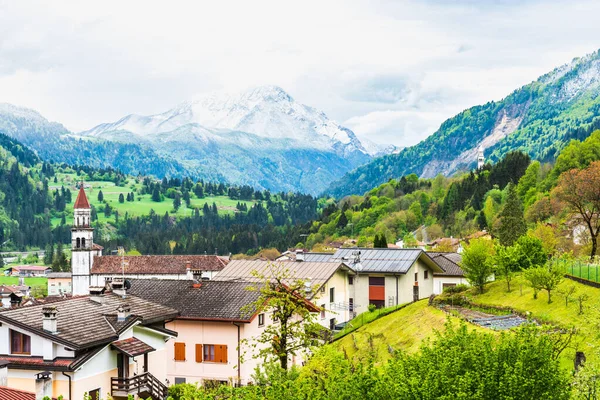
{"points": [[317, 272], [396, 261], [83, 322], [311, 257], [213, 300], [449, 262]]}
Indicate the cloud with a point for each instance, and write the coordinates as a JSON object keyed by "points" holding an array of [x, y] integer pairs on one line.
{"points": [[393, 70]]}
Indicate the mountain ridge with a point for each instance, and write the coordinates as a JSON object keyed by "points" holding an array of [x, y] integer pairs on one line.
{"points": [[535, 118]]}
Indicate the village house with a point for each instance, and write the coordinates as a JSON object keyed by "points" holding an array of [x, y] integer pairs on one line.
{"points": [[11, 296], [59, 283], [333, 282], [216, 329], [91, 269], [102, 344], [28, 270], [453, 274], [388, 277]]}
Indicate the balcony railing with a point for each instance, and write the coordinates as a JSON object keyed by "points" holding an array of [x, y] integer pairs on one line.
{"points": [[143, 385]]}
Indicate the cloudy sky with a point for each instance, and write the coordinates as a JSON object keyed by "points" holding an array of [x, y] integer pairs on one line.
{"points": [[390, 70]]}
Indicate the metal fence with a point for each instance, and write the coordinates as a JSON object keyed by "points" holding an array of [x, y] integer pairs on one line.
{"points": [[582, 270]]}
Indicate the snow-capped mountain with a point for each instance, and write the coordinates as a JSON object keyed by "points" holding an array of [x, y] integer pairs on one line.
{"points": [[266, 111], [261, 137]]}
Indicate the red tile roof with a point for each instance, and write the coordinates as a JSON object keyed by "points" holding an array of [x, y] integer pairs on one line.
{"points": [[133, 347], [82, 201], [61, 363], [157, 264], [96, 246], [14, 394]]}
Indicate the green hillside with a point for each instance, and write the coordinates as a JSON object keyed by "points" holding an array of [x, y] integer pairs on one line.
{"points": [[537, 119], [407, 328]]}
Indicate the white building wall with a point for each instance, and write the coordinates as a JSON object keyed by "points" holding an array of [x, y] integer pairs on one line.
{"points": [[439, 281]]}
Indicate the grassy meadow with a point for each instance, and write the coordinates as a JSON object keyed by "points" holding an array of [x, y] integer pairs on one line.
{"points": [[142, 204]]}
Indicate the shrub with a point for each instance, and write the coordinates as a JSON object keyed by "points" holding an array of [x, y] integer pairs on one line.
{"points": [[457, 289], [372, 307]]}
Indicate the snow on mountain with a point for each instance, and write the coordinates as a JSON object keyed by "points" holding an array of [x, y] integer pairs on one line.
{"points": [[266, 111]]}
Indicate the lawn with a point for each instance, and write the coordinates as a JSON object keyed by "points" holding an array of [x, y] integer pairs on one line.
{"points": [[558, 312], [142, 204], [404, 329], [14, 280]]}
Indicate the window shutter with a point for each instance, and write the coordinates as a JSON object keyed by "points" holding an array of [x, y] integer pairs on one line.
{"points": [[198, 353], [179, 351], [223, 353]]}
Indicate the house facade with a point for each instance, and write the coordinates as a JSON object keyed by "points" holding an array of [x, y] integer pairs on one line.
{"points": [[91, 269], [59, 283], [101, 345], [216, 331], [388, 277]]}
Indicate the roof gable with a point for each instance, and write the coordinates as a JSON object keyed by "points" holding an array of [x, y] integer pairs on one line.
{"points": [[395, 261]]}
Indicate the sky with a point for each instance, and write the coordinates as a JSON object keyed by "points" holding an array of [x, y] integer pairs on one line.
{"points": [[392, 71]]}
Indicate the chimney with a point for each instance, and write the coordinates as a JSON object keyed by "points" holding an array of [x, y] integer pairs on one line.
{"points": [[188, 270], [299, 255], [49, 322], [123, 312]]}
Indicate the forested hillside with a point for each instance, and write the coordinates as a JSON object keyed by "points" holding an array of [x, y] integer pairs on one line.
{"points": [[537, 119], [414, 209]]}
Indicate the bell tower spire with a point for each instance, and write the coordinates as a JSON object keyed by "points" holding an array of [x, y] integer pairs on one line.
{"points": [[82, 244]]}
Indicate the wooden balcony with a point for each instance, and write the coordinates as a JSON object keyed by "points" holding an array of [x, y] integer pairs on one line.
{"points": [[144, 386]]}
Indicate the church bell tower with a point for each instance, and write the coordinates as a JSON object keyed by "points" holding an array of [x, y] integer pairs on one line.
{"points": [[82, 245]]}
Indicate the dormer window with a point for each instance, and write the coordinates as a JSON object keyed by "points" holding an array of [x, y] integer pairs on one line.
{"points": [[19, 343]]}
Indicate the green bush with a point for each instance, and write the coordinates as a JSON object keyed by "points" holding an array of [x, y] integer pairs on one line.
{"points": [[457, 289], [372, 307]]}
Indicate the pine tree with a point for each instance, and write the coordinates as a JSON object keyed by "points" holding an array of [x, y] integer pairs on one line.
{"points": [[156, 195], [343, 221], [100, 196], [122, 198], [512, 221], [176, 202]]}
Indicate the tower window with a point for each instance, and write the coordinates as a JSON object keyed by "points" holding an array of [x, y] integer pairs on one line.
{"points": [[78, 243], [83, 242], [77, 221]]}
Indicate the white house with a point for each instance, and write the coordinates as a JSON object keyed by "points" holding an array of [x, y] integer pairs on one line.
{"points": [[99, 344], [453, 275], [388, 277]]}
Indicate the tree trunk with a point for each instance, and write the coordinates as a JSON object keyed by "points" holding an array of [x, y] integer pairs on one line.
{"points": [[549, 298], [594, 247]]}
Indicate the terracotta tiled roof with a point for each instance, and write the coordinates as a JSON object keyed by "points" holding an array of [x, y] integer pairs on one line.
{"points": [[157, 264], [58, 364], [14, 394], [96, 246], [82, 201], [133, 347]]}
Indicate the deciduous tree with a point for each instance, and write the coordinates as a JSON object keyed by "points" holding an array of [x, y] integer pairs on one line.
{"points": [[579, 190], [477, 262]]}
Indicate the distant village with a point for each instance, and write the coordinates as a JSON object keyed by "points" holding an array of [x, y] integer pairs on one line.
{"points": [[123, 325]]}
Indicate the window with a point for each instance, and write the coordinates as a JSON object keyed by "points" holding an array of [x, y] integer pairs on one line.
{"points": [[332, 295], [19, 343], [261, 319], [94, 394], [216, 353], [416, 276], [351, 280], [323, 289], [351, 304], [376, 289], [425, 274], [179, 351], [179, 380], [78, 243], [322, 311], [83, 242]]}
